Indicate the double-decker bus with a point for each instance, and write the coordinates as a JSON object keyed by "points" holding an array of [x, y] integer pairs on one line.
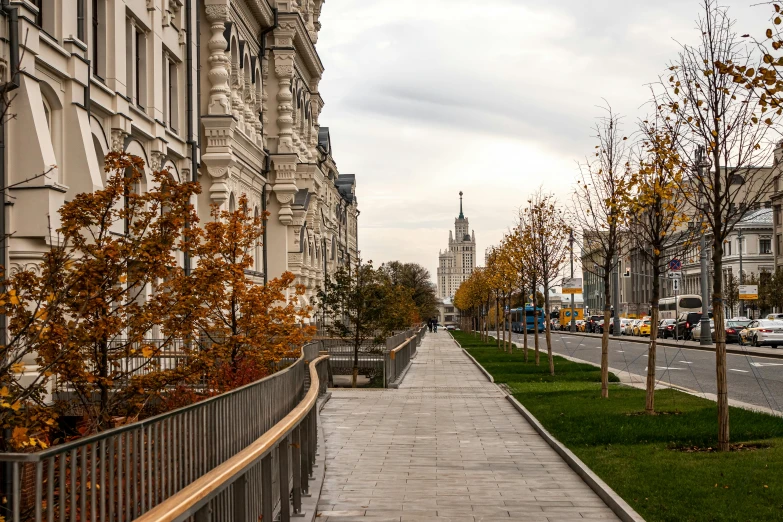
{"points": [[518, 319], [670, 307]]}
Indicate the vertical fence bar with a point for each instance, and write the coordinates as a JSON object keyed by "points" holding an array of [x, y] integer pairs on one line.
{"points": [[38, 490], [296, 467], [266, 488], [282, 457], [240, 498]]}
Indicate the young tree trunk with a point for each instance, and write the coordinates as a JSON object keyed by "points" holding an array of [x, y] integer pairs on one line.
{"points": [[535, 332], [524, 327], [548, 331], [497, 321], [649, 403], [508, 325], [720, 350], [605, 338], [503, 323]]}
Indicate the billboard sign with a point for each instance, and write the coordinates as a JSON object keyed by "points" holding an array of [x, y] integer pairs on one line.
{"points": [[572, 286], [749, 292]]}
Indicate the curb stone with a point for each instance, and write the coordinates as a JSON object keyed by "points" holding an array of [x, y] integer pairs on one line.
{"points": [[485, 372], [619, 506]]}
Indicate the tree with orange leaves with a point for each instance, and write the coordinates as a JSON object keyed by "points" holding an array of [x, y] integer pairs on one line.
{"points": [[245, 328]]}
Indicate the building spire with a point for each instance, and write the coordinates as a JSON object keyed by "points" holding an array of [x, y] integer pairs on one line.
{"points": [[461, 215]]}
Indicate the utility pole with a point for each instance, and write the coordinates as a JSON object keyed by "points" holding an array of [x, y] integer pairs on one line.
{"points": [[616, 295], [573, 311]]}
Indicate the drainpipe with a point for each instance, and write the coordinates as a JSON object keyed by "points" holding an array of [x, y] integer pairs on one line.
{"points": [[262, 36], [267, 168], [12, 15], [268, 160], [194, 145]]}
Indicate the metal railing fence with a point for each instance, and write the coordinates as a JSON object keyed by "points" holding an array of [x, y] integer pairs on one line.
{"points": [[397, 359], [120, 474]]}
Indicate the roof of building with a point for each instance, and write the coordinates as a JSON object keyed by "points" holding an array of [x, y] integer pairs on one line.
{"points": [[759, 217], [346, 184]]}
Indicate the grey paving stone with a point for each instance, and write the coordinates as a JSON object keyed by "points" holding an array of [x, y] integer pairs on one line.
{"points": [[446, 446]]}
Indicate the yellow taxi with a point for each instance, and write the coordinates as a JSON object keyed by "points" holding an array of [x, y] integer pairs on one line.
{"points": [[644, 327]]}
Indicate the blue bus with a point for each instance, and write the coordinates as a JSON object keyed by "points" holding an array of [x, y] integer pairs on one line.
{"points": [[518, 316]]}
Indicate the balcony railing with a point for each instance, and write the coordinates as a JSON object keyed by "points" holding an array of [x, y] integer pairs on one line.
{"points": [[219, 459]]}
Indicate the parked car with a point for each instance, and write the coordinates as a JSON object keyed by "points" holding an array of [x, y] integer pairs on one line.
{"points": [[623, 326], [637, 329], [644, 327], [763, 331], [580, 325], [666, 328], [733, 329], [591, 323], [451, 327], [599, 326], [630, 326], [696, 330], [775, 317], [685, 323]]}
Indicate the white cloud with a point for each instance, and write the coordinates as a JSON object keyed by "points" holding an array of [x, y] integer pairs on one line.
{"points": [[495, 98]]}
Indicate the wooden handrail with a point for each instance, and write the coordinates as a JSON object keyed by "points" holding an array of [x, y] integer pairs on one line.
{"points": [[187, 501]]}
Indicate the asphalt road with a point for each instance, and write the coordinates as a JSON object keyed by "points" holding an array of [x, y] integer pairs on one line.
{"points": [[752, 379]]}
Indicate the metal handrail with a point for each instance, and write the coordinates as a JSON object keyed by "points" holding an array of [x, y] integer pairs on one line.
{"points": [[122, 473], [195, 498]]}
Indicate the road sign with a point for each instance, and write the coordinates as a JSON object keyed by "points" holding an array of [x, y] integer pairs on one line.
{"points": [[674, 275], [675, 264], [572, 286], [749, 292], [676, 285]]}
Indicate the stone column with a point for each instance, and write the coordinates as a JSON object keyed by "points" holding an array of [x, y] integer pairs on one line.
{"points": [[219, 92], [285, 188], [284, 71]]}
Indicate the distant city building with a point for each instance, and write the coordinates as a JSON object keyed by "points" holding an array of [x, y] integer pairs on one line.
{"points": [[457, 263]]}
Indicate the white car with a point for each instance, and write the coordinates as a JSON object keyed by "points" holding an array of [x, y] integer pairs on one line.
{"points": [[761, 332]]}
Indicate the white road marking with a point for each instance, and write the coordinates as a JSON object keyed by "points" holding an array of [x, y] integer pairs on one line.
{"points": [[764, 365], [684, 362], [664, 368], [620, 351], [741, 371]]}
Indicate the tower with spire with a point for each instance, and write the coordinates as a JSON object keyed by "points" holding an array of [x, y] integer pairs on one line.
{"points": [[458, 261]]}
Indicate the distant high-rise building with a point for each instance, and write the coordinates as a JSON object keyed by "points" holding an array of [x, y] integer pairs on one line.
{"points": [[459, 260]]}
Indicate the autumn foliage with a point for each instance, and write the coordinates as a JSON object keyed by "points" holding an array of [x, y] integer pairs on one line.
{"points": [[110, 328]]}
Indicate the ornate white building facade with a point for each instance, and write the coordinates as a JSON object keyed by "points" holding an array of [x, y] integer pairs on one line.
{"points": [[457, 262], [224, 92]]}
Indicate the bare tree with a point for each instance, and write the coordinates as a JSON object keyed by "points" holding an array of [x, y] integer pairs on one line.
{"points": [[726, 118], [600, 208], [548, 234], [658, 212]]}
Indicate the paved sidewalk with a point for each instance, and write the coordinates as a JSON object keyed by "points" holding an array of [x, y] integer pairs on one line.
{"points": [[446, 446]]}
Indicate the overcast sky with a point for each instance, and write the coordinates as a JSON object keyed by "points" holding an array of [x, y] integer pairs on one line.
{"points": [[425, 98]]}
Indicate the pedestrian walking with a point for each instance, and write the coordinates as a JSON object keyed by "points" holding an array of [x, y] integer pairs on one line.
{"points": [[429, 325]]}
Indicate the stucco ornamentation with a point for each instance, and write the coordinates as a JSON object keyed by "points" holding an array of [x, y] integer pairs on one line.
{"points": [[219, 93]]}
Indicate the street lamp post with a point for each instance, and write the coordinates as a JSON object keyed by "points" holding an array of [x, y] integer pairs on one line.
{"points": [[702, 164], [573, 315], [742, 274], [616, 295]]}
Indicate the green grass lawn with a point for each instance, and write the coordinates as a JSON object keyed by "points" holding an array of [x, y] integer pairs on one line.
{"points": [[641, 456]]}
